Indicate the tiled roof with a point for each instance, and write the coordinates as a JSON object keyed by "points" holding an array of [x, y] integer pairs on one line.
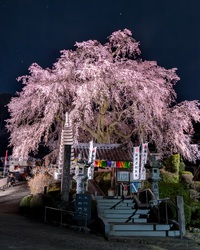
{"points": [[110, 152]]}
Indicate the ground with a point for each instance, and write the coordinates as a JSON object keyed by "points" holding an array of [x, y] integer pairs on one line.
{"points": [[19, 232]]}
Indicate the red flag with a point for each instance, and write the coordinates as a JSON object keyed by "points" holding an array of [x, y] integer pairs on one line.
{"points": [[6, 158]]}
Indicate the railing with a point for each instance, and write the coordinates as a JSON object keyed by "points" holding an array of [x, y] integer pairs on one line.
{"points": [[166, 201], [114, 206], [149, 198], [146, 199], [62, 211], [94, 186]]}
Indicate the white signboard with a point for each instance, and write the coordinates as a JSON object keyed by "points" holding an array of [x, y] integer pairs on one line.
{"points": [[123, 176], [144, 155], [136, 163], [91, 159], [90, 151]]}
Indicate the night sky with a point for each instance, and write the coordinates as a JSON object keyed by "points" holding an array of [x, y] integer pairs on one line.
{"points": [[36, 31]]}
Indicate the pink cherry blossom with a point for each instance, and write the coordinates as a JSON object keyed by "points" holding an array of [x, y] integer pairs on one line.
{"points": [[112, 96]]}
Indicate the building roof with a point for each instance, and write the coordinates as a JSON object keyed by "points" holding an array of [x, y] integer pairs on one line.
{"points": [[109, 152]]}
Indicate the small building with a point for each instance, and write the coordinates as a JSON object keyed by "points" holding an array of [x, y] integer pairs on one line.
{"points": [[114, 158]]}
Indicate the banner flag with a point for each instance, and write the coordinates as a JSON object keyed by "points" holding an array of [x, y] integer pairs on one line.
{"points": [[90, 151], [91, 159], [5, 163], [136, 163], [94, 152], [144, 155]]}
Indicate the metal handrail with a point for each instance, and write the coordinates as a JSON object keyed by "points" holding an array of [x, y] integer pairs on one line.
{"points": [[165, 200], [113, 207], [95, 187], [156, 202], [61, 214]]}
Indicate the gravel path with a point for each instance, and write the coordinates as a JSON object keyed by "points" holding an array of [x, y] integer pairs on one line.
{"points": [[18, 232]]}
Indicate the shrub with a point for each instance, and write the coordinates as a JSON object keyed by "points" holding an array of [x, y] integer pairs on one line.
{"points": [[172, 163], [38, 183], [195, 215], [169, 177], [181, 167], [55, 194], [54, 186], [171, 190], [187, 172], [196, 185], [188, 213], [194, 195], [187, 177], [24, 206], [38, 203], [25, 202]]}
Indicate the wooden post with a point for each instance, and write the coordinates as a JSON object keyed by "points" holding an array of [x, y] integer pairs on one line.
{"points": [[181, 215]]}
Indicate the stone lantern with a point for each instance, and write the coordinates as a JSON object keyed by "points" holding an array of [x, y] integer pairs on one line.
{"points": [[154, 175], [80, 177]]}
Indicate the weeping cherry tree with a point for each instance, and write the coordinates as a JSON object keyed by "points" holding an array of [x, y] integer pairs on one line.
{"points": [[112, 96]]}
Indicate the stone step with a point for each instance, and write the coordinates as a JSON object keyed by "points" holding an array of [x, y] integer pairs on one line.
{"points": [[124, 210], [118, 211], [131, 227], [139, 220], [173, 233], [124, 216], [140, 227], [110, 207], [113, 201], [117, 220]]}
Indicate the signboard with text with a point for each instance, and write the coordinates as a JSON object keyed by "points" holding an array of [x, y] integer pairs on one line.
{"points": [[83, 206]]}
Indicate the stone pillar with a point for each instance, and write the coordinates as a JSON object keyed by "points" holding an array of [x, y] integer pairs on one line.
{"points": [[181, 214], [154, 177], [65, 183]]}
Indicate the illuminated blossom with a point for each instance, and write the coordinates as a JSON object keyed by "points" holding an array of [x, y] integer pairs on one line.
{"points": [[112, 96]]}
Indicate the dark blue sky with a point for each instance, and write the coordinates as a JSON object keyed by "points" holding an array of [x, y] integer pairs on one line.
{"points": [[36, 31]]}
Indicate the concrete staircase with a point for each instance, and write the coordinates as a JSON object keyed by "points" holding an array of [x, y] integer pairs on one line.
{"points": [[120, 217]]}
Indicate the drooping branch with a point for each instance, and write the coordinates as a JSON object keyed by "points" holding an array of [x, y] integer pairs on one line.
{"points": [[111, 94]]}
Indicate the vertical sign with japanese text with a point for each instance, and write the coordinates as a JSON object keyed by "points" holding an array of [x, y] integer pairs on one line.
{"points": [[83, 206], [144, 155], [136, 163]]}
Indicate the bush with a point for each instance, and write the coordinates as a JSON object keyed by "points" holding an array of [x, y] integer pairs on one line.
{"points": [[188, 213], [196, 185], [171, 190], [38, 203], [169, 177], [194, 195], [54, 186], [170, 209], [55, 194], [172, 163], [187, 177], [24, 206], [25, 202], [38, 183], [195, 215], [181, 167]]}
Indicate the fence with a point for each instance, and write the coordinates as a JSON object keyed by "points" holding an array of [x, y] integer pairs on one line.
{"points": [[62, 212]]}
